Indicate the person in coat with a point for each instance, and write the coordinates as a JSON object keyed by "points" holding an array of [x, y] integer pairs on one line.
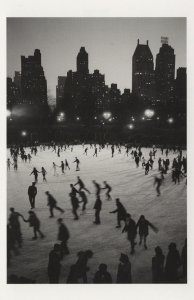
{"points": [[63, 236], [121, 212], [173, 262], [144, 225], [130, 228], [158, 266], [54, 266], [34, 222], [32, 192], [52, 203], [102, 275], [97, 207], [80, 268], [124, 270]]}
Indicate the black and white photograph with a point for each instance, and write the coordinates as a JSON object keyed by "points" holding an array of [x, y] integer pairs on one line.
{"points": [[96, 150]]}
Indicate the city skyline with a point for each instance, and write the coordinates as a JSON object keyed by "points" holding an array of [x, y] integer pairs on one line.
{"points": [[109, 50]]}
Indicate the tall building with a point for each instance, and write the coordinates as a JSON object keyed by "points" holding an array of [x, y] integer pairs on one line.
{"points": [[98, 93], [165, 73], [17, 79], [143, 77], [13, 93], [82, 61], [33, 81], [181, 84], [60, 90]]}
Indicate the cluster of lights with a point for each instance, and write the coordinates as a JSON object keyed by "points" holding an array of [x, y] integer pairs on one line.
{"points": [[61, 117], [107, 115]]}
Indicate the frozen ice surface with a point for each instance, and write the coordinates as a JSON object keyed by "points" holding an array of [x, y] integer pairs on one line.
{"points": [[136, 192]]}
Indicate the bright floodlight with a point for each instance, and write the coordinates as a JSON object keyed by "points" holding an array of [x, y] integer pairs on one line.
{"points": [[23, 133], [107, 115], [170, 120], [62, 114], [149, 113], [130, 126], [8, 113]]}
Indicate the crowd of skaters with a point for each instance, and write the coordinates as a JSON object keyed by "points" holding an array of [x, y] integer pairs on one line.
{"points": [[161, 272]]}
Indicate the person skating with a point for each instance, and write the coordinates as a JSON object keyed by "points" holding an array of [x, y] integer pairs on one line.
{"points": [[74, 191], [173, 262], [52, 203], [66, 165], [35, 172], [54, 169], [8, 164], [75, 205], [15, 226], [34, 222], [147, 167], [77, 164], [62, 166], [81, 185], [158, 182], [130, 228], [97, 207], [95, 152], [32, 192], [54, 265], [63, 236], [121, 212], [124, 270], [83, 200], [108, 188], [144, 225], [44, 172], [102, 275], [98, 188], [137, 161], [86, 151], [158, 266]]}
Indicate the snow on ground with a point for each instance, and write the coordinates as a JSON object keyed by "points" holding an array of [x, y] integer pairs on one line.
{"points": [[136, 192]]}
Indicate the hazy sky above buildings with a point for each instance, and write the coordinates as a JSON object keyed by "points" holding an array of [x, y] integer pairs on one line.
{"points": [[110, 43]]}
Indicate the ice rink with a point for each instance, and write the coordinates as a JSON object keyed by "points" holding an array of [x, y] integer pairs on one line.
{"points": [[136, 192]]}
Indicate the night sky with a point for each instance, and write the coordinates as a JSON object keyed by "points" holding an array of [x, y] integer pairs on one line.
{"points": [[110, 43]]}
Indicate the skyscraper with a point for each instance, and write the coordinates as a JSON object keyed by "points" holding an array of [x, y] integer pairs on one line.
{"points": [[165, 72], [33, 81], [143, 79], [60, 89], [181, 84], [82, 61]]}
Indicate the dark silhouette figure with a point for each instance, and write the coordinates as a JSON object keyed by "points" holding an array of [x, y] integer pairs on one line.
{"points": [[52, 203], [124, 270], [130, 228], [54, 266], [81, 185], [173, 262], [144, 225], [34, 222], [75, 205], [35, 172], [32, 192], [98, 188], [80, 269], [15, 226], [66, 165], [44, 172], [77, 164], [184, 259], [121, 212], [63, 236], [102, 275], [83, 200], [109, 189], [158, 266], [97, 207], [158, 182]]}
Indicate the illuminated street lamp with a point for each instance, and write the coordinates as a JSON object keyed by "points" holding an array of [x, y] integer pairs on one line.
{"points": [[23, 133], [77, 118], [170, 120], [149, 113], [130, 126], [107, 115], [62, 114]]}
